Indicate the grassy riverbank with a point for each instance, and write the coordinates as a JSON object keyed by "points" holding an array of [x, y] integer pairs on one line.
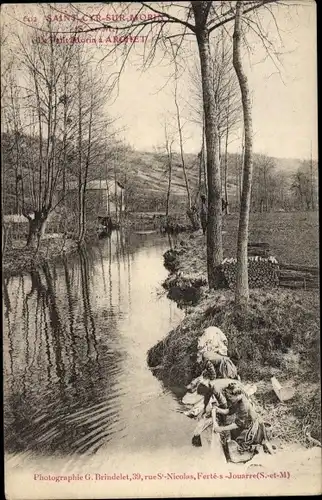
{"points": [[279, 336], [19, 258]]}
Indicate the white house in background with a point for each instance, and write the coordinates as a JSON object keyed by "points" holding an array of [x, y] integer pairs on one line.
{"points": [[104, 197]]}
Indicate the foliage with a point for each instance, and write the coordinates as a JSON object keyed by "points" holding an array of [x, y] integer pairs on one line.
{"points": [[305, 185]]}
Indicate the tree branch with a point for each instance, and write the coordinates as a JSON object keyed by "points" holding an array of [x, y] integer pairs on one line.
{"points": [[250, 9]]}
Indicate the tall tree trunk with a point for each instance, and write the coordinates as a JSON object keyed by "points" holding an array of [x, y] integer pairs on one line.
{"points": [[242, 288], [107, 189], [214, 224], [87, 163], [108, 202], [312, 182], [201, 161], [81, 211], [168, 194], [241, 165], [226, 162], [80, 157], [200, 158], [204, 158], [237, 182], [121, 206], [37, 227], [115, 193], [16, 132], [169, 181], [17, 211], [186, 180]]}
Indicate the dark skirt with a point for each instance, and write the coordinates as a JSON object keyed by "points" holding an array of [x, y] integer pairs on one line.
{"points": [[255, 434], [223, 367]]}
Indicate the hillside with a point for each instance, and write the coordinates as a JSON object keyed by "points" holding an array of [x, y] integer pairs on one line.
{"points": [[146, 172], [288, 165]]}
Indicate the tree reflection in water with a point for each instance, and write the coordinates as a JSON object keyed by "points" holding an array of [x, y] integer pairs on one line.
{"points": [[55, 384], [76, 333]]}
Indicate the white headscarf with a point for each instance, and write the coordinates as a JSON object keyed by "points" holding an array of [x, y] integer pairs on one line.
{"points": [[213, 339]]}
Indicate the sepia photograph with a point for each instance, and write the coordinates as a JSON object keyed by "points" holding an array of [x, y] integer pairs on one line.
{"points": [[160, 249]]}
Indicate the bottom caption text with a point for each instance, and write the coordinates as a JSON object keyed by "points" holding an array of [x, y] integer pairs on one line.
{"points": [[170, 476]]}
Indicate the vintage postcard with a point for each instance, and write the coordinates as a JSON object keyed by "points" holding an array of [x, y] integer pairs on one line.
{"points": [[160, 249]]}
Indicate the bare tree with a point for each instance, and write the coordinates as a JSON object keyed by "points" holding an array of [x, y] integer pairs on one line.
{"points": [[43, 66], [226, 158], [263, 182], [55, 122], [226, 94], [180, 127], [305, 185], [92, 137], [202, 164], [191, 209], [162, 21], [242, 289], [7, 57], [168, 146]]}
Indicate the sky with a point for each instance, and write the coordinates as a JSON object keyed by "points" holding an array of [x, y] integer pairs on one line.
{"points": [[284, 103], [284, 99]]}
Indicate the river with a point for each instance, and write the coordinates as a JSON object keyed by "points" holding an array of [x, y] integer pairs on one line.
{"points": [[76, 334]]}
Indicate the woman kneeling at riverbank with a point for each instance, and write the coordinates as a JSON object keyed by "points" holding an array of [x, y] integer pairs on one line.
{"points": [[213, 350], [213, 396], [247, 431], [212, 357]]}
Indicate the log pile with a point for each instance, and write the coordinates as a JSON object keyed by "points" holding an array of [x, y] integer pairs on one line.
{"points": [[265, 271], [262, 272], [293, 276]]}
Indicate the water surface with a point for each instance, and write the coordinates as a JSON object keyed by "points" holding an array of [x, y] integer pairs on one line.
{"points": [[76, 335]]}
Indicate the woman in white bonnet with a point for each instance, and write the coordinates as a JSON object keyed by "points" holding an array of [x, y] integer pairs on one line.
{"points": [[213, 354], [213, 339]]}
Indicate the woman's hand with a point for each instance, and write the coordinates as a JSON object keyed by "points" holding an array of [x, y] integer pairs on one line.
{"points": [[222, 411], [222, 428]]}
